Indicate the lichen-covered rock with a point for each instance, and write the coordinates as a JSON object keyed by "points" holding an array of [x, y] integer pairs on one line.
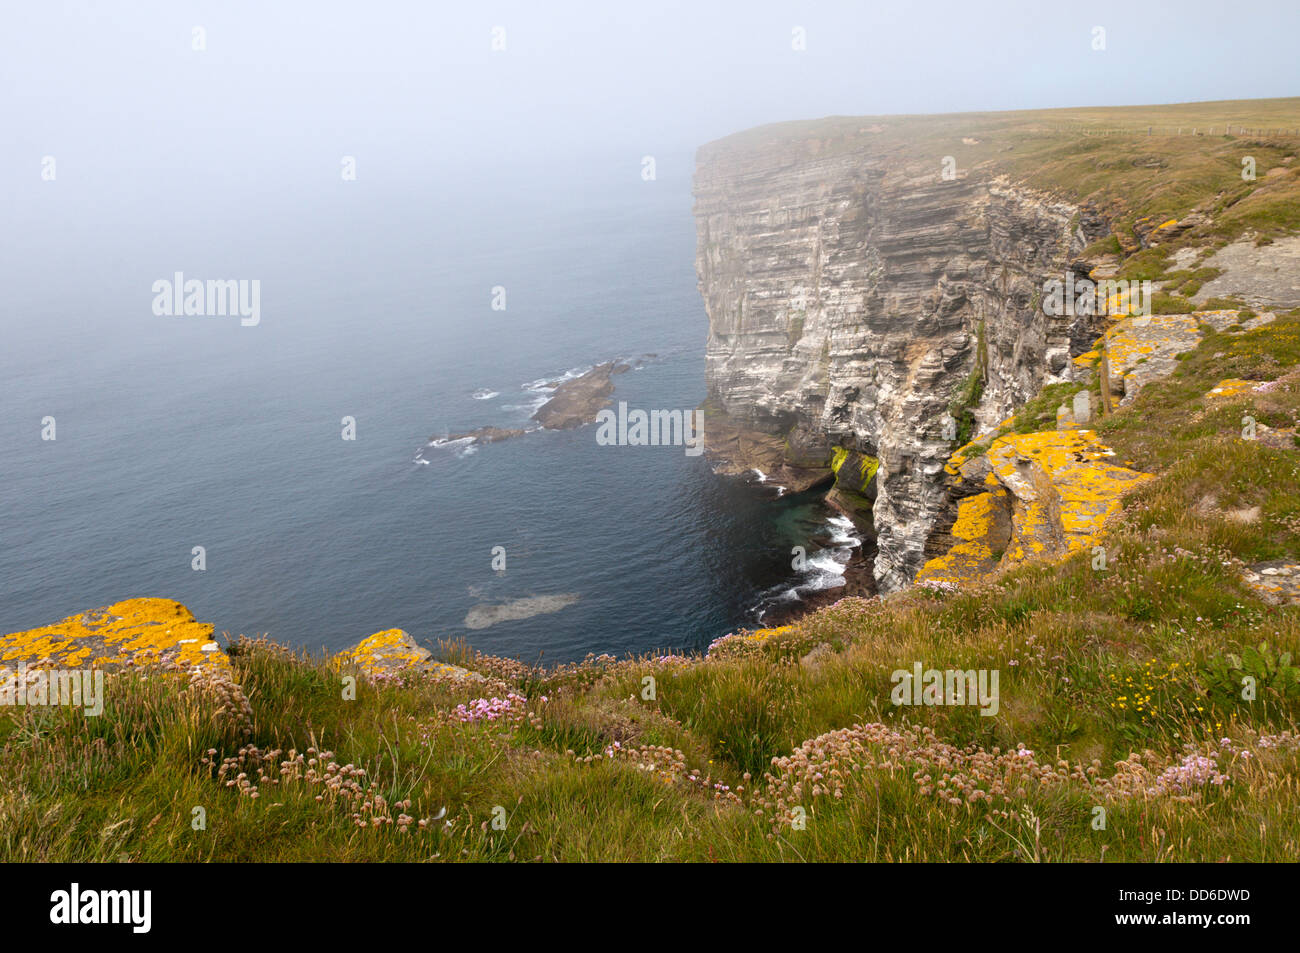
{"points": [[983, 528], [135, 632], [1262, 275], [1064, 490], [394, 652], [854, 492], [1276, 582], [1231, 387], [1047, 495], [1144, 348], [734, 641]]}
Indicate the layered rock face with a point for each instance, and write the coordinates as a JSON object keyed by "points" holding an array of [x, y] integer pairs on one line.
{"points": [[846, 284]]}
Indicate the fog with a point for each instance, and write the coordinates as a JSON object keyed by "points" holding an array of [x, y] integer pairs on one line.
{"points": [[131, 131], [280, 91]]}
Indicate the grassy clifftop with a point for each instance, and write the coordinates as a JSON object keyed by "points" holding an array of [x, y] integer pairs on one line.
{"points": [[1130, 162]]}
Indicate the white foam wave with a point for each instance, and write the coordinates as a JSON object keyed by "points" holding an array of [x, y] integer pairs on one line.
{"points": [[824, 569], [824, 581], [548, 384], [444, 442], [828, 561], [532, 406], [843, 532]]}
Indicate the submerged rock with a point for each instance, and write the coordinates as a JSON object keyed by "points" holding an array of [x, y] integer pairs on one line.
{"points": [[480, 617], [484, 435], [574, 403]]}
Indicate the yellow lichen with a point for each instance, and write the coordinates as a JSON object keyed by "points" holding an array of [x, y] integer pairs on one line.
{"points": [[393, 651], [132, 632], [1230, 387], [972, 557], [1060, 490], [1064, 487], [761, 635]]}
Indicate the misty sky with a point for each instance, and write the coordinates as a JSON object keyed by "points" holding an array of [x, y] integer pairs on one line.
{"points": [[409, 86]]}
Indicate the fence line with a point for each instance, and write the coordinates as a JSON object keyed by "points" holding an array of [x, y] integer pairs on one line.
{"points": [[1238, 130]]}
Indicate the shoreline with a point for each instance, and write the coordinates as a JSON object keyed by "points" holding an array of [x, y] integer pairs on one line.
{"points": [[857, 575]]}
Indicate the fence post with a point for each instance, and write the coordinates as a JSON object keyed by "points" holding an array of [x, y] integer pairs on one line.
{"points": [[1103, 369]]}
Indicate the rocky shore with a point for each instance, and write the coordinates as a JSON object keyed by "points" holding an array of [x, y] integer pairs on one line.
{"points": [[858, 581]]}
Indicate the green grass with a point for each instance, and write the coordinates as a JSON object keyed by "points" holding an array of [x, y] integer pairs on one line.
{"points": [[967, 398]]}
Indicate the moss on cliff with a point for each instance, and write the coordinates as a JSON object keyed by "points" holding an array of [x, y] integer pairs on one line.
{"points": [[967, 398]]}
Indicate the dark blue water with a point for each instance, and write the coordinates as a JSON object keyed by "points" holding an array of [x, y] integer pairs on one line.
{"points": [[175, 432]]}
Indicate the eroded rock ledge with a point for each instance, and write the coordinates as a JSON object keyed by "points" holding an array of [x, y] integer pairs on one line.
{"points": [[1037, 496]]}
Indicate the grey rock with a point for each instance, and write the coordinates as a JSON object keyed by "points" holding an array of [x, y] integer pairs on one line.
{"points": [[1082, 410]]}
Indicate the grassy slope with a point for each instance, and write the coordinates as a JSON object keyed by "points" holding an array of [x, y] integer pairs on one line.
{"points": [[1094, 665]]}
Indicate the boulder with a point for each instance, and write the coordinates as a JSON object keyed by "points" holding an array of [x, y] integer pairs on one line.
{"points": [[394, 652]]}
